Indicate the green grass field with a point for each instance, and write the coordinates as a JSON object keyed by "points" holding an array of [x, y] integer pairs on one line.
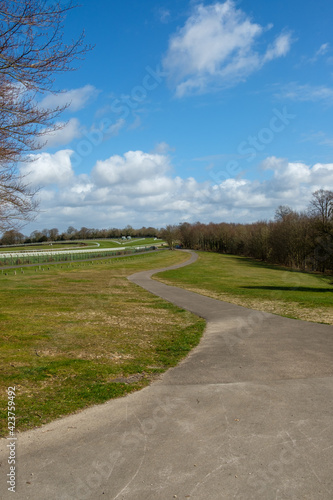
{"points": [[80, 334], [257, 285], [77, 245], [44, 247], [125, 243]]}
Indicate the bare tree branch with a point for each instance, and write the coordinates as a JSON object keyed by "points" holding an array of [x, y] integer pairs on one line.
{"points": [[32, 51]]}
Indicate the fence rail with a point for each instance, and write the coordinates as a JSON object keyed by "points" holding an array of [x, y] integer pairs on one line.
{"points": [[41, 258]]}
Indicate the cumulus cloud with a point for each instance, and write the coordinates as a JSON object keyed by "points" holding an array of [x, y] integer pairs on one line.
{"points": [[139, 188], [215, 47], [296, 181], [46, 169], [133, 167], [76, 99]]}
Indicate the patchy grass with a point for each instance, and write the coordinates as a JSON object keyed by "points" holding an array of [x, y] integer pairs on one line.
{"points": [[80, 334], [256, 285]]}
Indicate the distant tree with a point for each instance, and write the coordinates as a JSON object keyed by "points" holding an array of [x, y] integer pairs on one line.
{"points": [[150, 232], [32, 52], [189, 234], [321, 211], [71, 230], [46, 233], [12, 237], [35, 236], [101, 233], [54, 234], [128, 231], [321, 207], [146, 232], [170, 234], [70, 234], [258, 245], [114, 233], [283, 212], [84, 233]]}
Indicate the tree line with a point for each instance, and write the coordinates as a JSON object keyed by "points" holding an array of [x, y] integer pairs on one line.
{"points": [[300, 240], [14, 237]]}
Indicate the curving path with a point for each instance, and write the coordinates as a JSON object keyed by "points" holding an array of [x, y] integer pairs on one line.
{"points": [[247, 415]]}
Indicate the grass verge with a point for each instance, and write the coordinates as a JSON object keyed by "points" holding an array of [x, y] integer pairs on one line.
{"points": [[80, 334], [257, 285]]}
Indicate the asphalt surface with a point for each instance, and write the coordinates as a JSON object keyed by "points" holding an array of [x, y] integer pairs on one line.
{"points": [[247, 415]]}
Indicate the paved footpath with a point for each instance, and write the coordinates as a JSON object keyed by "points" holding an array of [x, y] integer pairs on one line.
{"points": [[247, 415]]}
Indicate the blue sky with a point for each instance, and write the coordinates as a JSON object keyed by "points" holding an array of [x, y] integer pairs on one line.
{"points": [[190, 111]]}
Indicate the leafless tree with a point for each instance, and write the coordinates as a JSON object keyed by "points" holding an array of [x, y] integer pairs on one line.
{"points": [[170, 234], [321, 211], [32, 52], [12, 237], [321, 206]]}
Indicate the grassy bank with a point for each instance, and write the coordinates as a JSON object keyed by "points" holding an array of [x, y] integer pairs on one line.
{"points": [[258, 286], [78, 335]]}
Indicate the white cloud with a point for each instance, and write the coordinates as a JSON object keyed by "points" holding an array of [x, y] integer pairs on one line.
{"points": [[133, 167], [76, 99], [64, 134], [279, 48], [46, 169], [296, 181], [287, 175], [139, 188], [215, 47]]}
